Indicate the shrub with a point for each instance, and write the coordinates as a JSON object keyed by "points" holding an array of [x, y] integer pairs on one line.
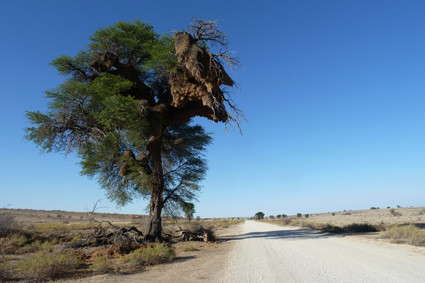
{"points": [[189, 248], [271, 216], [409, 234], [361, 228], [7, 221], [299, 215], [47, 264], [259, 215], [306, 215], [333, 213], [149, 256], [4, 268], [101, 264], [332, 229], [278, 216], [394, 212], [284, 215]]}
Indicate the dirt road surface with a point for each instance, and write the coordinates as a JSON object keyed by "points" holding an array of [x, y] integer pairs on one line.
{"points": [[268, 253], [260, 252]]}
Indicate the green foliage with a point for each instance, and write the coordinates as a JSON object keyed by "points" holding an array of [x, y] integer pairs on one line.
{"points": [[299, 214], [307, 215], [104, 109], [271, 216], [188, 210], [259, 215]]}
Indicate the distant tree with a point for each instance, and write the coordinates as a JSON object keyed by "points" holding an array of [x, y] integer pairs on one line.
{"points": [[259, 215], [188, 210], [306, 215], [271, 216], [299, 215], [125, 109], [278, 216], [284, 215]]}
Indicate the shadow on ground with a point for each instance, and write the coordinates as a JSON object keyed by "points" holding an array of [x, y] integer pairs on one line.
{"points": [[298, 234]]}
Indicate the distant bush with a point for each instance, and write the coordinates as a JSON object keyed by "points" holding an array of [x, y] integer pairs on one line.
{"points": [[361, 228], [148, 256], [101, 264], [333, 213], [278, 216], [332, 229], [46, 264], [374, 208], [299, 215], [306, 215], [284, 215], [259, 215], [394, 212], [409, 234], [271, 216]]}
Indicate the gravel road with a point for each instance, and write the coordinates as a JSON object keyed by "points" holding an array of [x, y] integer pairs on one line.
{"points": [[268, 253]]}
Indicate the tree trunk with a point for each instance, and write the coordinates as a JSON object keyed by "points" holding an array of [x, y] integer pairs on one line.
{"points": [[157, 189]]}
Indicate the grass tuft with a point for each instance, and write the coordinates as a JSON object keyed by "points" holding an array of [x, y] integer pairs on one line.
{"points": [[47, 264], [102, 264], [189, 248], [409, 234], [148, 256]]}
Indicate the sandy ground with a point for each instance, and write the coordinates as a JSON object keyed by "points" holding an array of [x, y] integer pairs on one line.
{"points": [[261, 252], [268, 253]]}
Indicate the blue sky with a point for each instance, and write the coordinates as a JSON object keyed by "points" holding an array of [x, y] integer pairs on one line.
{"points": [[333, 92]]}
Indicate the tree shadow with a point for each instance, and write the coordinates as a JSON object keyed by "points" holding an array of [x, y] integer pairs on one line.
{"points": [[298, 234], [183, 258]]}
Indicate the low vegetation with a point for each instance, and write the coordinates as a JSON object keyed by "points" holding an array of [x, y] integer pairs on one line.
{"points": [[32, 251], [407, 234], [49, 264], [189, 248], [147, 256], [398, 225]]}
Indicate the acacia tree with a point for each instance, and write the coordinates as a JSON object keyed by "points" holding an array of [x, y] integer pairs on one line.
{"points": [[259, 215], [188, 210], [126, 107]]}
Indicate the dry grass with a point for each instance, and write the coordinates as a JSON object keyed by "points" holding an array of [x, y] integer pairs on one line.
{"points": [[102, 264], [189, 248], [45, 245], [409, 234], [49, 264], [148, 256]]}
